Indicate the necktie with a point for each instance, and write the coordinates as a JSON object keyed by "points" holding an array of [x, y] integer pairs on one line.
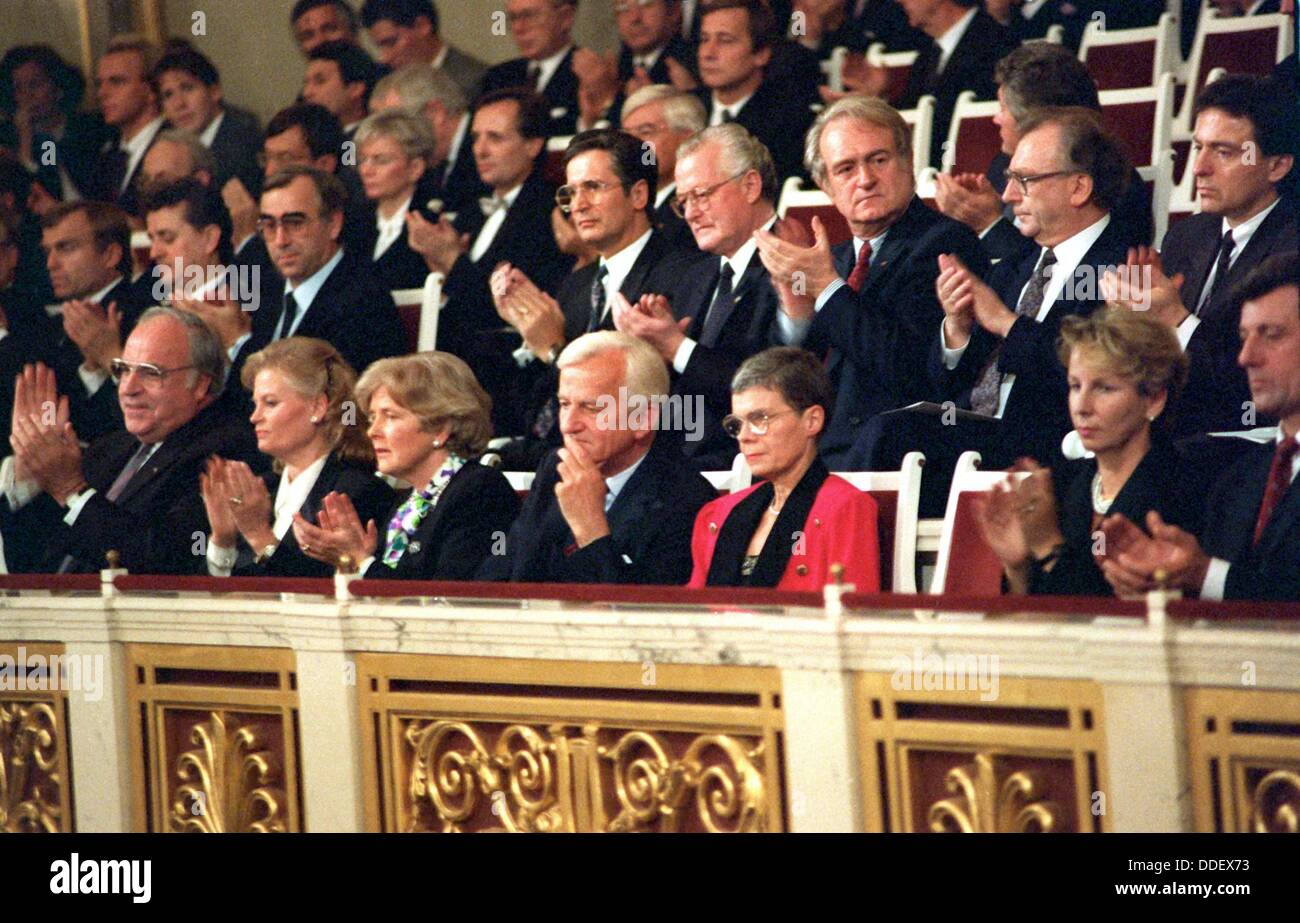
{"points": [[113, 168], [132, 468], [598, 298], [290, 312], [862, 268], [1221, 270], [720, 309], [534, 74], [1279, 480], [984, 397], [727, 116]]}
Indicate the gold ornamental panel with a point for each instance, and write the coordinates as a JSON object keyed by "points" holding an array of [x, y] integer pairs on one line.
{"points": [[1244, 748], [1020, 756], [486, 745], [35, 774], [214, 747]]}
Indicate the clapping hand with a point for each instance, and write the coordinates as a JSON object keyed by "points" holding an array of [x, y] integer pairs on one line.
{"points": [[97, 333], [960, 292], [337, 534], [969, 198], [651, 319], [438, 242], [1143, 286], [800, 269]]}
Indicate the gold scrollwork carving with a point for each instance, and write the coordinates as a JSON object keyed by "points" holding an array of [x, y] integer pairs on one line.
{"points": [[228, 784], [980, 806], [30, 785], [1277, 803]]}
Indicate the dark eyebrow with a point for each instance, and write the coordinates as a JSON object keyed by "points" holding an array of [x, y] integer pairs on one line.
{"points": [[286, 215]]}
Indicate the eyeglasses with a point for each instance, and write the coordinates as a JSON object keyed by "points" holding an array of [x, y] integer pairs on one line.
{"points": [[758, 422], [1022, 181], [151, 376], [565, 196], [700, 196], [293, 222], [379, 160]]}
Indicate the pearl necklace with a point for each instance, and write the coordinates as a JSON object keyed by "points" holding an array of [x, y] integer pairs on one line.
{"points": [[1100, 505]]}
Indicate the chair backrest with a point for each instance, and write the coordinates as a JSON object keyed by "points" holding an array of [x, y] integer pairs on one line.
{"points": [[1239, 45], [966, 565], [898, 64], [1141, 118], [925, 186], [1159, 176], [921, 121], [898, 499], [1121, 59], [1055, 35], [973, 139], [801, 204], [418, 309], [553, 159]]}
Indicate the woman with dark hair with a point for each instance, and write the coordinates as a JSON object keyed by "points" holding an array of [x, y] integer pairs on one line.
{"points": [[1050, 529], [429, 421], [304, 416], [790, 529]]}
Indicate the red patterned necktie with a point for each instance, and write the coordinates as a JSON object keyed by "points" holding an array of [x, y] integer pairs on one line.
{"points": [[1279, 480], [861, 268]]}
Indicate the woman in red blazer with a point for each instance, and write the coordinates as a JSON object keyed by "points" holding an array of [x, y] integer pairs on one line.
{"points": [[788, 530]]}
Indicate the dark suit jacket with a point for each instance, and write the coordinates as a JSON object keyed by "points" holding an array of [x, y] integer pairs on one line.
{"points": [[157, 521], [650, 529], [1036, 416], [779, 115], [355, 312], [1216, 385], [370, 495], [969, 67], [77, 151], [459, 189], [677, 48], [560, 92], [399, 266], [467, 71], [1271, 569], [1152, 486], [885, 21], [104, 177], [1074, 17], [879, 339], [235, 148]]}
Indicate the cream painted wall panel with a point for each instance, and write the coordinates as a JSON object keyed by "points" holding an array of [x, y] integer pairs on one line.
{"points": [[52, 22]]}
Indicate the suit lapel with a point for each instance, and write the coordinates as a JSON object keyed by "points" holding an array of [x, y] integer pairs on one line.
{"points": [[1283, 521]]}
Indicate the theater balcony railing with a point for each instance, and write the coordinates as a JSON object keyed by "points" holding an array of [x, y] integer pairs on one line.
{"points": [[171, 704]]}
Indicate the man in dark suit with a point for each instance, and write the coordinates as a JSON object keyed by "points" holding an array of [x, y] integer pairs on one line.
{"points": [[406, 32], [136, 490], [1032, 21], [542, 31], [885, 21], [615, 505], [1244, 150], [737, 43], [128, 101], [340, 76], [665, 117], [1249, 543], [1066, 177], [327, 293], [878, 326], [189, 91], [513, 226], [315, 22], [1031, 77]]}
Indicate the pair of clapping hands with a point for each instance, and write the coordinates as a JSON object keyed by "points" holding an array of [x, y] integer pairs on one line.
{"points": [[46, 448]]}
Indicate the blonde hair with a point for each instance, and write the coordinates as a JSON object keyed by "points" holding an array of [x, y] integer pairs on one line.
{"points": [[411, 132], [1133, 346], [439, 388], [644, 372], [867, 109], [313, 367], [682, 111]]}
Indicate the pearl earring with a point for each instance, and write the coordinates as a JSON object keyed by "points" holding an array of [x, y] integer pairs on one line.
{"points": [[315, 419], [437, 444]]}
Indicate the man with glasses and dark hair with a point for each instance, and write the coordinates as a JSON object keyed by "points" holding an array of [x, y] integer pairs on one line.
{"points": [[406, 32], [327, 293], [316, 22], [135, 490]]}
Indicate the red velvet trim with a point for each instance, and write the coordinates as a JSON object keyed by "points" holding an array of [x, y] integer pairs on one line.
{"points": [[585, 592], [52, 582], [1045, 605], [1233, 611], [156, 583]]}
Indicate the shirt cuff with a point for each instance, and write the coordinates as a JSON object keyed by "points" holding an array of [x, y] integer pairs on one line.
{"points": [[791, 331], [682, 357], [951, 357], [827, 292], [1185, 330], [221, 561], [76, 503], [4, 332], [985, 233], [93, 380], [18, 493], [239, 248], [365, 565], [523, 355], [236, 346], [1216, 579]]}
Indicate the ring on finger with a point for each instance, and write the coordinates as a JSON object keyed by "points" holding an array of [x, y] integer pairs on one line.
{"points": [[236, 501]]}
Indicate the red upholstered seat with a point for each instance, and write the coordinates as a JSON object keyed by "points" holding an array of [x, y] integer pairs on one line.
{"points": [[886, 516], [409, 312], [832, 220], [973, 568], [1118, 67]]}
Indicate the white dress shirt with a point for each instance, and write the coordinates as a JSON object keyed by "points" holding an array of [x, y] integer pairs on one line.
{"points": [[615, 484], [663, 194], [304, 293], [732, 109], [949, 40], [289, 498], [791, 331], [390, 228], [488, 232], [1241, 236], [136, 147], [209, 134]]}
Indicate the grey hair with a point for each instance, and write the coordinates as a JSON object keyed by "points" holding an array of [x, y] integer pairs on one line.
{"points": [[682, 111], [199, 153], [416, 85], [867, 109], [207, 355], [796, 374], [644, 373], [741, 152], [411, 132]]}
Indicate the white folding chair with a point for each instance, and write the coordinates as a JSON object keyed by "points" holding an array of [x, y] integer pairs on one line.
{"points": [[1055, 35], [1124, 58], [1239, 45], [921, 121], [801, 204], [973, 139], [898, 64], [419, 309], [966, 566], [1141, 117], [833, 68], [1161, 175], [902, 489]]}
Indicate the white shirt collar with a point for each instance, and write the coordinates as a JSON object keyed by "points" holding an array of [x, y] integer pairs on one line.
{"points": [[291, 495], [441, 57], [650, 58], [740, 260], [137, 146], [390, 228], [304, 293], [616, 483], [1071, 251], [662, 194], [875, 242], [733, 108], [1243, 232], [99, 295], [548, 66], [1031, 7], [621, 263], [950, 39], [209, 134]]}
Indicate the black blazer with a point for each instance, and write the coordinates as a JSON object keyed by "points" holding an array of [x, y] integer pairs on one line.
{"points": [[1074, 17], [235, 148], [778, 114], [1216, 385], [399, 266], [675, 228], [155, 523], [885, 21], [1152, 486], [560, 93], [474, 512], [1271, 569], [353, 311], [370, 495], [1037, 415], [106, 175], [677, 48], [969, 67], [650, 529], [880, 338], [458, 189]]}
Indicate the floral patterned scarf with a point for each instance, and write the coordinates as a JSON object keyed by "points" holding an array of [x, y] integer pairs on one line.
{"points": [[411, 513]]}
